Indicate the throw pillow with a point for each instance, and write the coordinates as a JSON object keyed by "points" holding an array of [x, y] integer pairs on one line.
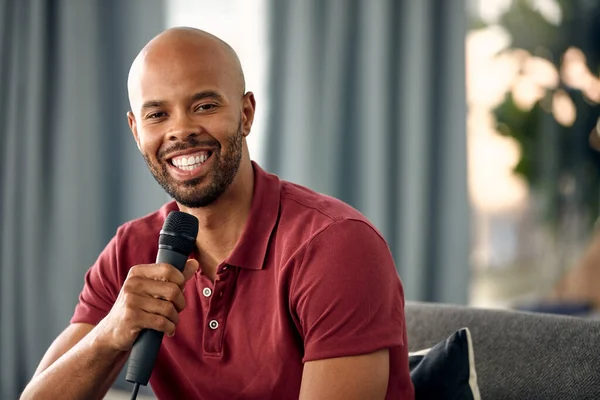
{"points": [[446, 370]]}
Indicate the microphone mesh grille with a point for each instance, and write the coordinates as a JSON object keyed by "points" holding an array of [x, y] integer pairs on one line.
{"points": [[181, 224]]}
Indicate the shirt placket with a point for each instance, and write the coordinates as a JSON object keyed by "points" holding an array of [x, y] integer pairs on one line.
{"points": [[219, 301]]}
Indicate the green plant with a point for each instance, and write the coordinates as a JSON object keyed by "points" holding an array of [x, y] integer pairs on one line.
{"points": [[560, 166]]}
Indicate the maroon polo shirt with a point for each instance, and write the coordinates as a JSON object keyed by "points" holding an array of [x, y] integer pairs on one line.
{"points": [[310, 278]]}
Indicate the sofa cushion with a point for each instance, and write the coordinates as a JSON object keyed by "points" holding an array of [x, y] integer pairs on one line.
{"points": [[446, 370], [520, 355]]}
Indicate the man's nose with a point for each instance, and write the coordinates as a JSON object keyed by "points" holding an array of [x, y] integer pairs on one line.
{"points": [[182, 127]]}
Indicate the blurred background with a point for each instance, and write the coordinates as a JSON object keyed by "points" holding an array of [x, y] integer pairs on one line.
{"points": [[467, 131]]}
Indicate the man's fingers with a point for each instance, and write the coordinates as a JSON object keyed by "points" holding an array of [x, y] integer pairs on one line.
{"points": [[191, 266], [156, 322], [158, 289], [159, 272], [162, 308], [165, 291]]}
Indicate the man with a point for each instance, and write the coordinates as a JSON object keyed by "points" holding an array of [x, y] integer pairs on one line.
{"points": [[289, 294]]}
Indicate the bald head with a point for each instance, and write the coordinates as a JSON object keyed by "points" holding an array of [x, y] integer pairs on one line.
{"points": [[171, 52]]}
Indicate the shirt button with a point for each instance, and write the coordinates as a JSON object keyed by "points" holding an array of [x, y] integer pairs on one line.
{"points": [[206, 292], [214, 324]]}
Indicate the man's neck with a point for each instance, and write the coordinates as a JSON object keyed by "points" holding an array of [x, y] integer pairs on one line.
{"points": [[221, 224]]}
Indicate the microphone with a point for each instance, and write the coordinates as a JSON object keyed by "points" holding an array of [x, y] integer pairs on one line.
{"points": [[175, 244]]}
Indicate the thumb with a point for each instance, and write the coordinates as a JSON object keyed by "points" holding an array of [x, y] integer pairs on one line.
{"points": [[191, 266]]}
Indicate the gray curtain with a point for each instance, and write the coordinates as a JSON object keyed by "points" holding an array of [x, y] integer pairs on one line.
{"points": [[368, 105], [70, 171]]}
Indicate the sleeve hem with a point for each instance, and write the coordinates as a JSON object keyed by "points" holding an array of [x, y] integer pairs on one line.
{"points": [[89, 321], [88, 316], [349, 350]]}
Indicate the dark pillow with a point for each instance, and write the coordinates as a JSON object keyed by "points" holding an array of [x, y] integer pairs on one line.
{"points": [[446, 371]]}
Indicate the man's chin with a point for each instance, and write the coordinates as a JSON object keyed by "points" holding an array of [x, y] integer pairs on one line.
{"points": [[194, 202], [187, 186], [192, 196]]}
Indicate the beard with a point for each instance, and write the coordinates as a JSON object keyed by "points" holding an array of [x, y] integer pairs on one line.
{"points": [[224, 169]]}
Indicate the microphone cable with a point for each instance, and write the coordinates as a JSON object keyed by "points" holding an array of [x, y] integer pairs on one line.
{"points": [[136, 388]]}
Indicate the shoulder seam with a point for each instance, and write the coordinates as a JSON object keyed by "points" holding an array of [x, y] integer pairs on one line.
{"points": [[333, 219]]}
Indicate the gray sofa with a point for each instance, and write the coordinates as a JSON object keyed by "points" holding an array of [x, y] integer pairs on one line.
{"points": [[518, 355]]}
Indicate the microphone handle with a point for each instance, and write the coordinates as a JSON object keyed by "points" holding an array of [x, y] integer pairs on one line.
{"points": [[146, 346]]}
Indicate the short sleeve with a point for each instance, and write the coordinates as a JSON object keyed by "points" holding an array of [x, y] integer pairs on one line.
{"points": [[101, 286], [346, 294]]}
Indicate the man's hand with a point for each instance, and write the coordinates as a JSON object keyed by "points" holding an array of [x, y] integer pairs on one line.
{"points": [[151, 298], [85, 360]]}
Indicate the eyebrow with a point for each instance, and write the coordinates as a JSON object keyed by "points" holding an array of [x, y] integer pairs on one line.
{"points": [[208, 94], [152, 104]]}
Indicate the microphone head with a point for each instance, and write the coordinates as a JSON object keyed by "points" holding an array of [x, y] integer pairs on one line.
{"points": [[179, 232]]}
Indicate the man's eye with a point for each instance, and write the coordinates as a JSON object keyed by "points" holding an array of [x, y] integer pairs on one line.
{"points": [[205, 107], [156, 115]]}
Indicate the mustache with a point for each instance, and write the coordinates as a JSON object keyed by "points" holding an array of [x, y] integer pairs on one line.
{"points": [[189, 143]]}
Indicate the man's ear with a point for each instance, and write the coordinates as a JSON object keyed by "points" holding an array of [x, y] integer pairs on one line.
{"points": [[248, 109], [133, 127]]}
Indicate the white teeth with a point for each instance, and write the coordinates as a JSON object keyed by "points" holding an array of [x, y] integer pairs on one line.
{"points": [[189, 163]]}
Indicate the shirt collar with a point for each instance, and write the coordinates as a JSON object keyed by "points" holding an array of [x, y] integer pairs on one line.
{"points": [[251, 248]]}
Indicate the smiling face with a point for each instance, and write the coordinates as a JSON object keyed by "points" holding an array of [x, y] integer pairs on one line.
{"points": [[190, 115], [196, 172]]}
